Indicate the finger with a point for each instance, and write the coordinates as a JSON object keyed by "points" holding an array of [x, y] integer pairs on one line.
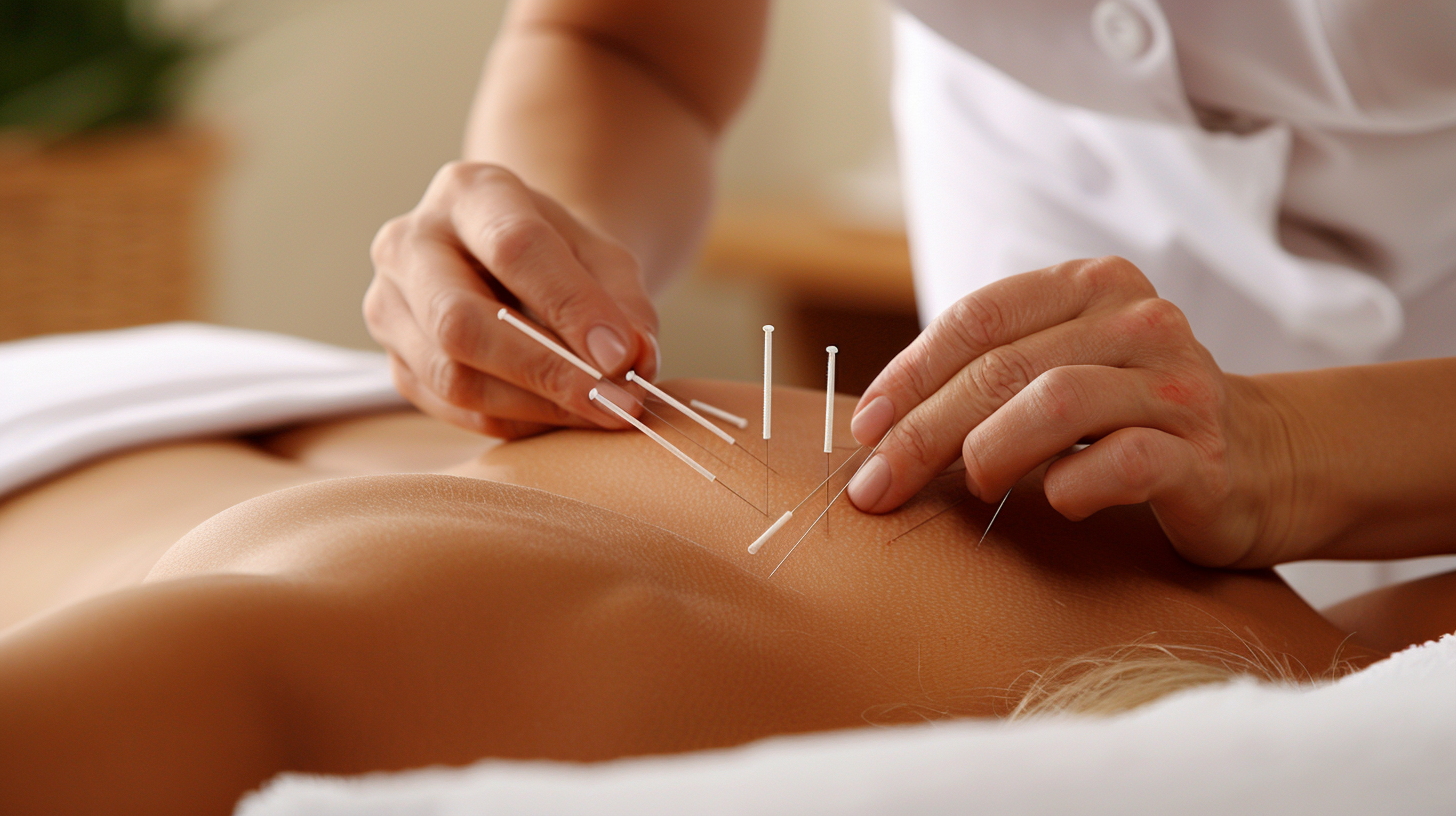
{"points": [[1129, 466], [468, 389], [456, 316], [930, 436], [995, 315], [469, 384], [620, 275], [409, 386], [1060, 408], [498, 221]]}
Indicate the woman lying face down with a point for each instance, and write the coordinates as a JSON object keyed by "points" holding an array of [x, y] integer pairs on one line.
{"points": [[580, 596]]}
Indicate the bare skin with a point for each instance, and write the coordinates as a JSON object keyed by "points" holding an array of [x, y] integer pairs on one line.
{"points": [[584, 184], [343, 625], [585, 181], [1350, 463]]}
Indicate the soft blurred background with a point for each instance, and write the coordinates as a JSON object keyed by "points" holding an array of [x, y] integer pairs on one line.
{"points": [[299, 126]]}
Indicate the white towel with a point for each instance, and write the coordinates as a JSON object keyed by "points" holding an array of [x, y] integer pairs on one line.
{"points": [[68, 398], [1380, 741]]}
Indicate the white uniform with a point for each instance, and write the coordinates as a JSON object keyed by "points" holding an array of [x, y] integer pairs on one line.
{"points": [[1282, 170]]}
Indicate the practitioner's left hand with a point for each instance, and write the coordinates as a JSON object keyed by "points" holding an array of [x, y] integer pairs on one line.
{"points": [[1015, 374]]}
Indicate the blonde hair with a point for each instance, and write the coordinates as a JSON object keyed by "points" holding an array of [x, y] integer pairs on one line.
{"points": [[1122, 678]]}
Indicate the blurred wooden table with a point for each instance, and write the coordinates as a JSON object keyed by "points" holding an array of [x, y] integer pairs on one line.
{"points": [[845, 286]]}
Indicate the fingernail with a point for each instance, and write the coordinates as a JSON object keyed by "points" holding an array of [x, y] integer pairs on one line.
{"points": [[871, 423], [867, 486], [619, 397], [607, 347]]}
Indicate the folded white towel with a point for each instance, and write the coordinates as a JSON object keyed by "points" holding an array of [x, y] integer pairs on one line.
{"points": [[1380, 741], [71, 397]]}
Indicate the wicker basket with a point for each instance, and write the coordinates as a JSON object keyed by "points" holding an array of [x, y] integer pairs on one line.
{"points": [[101, 232]]}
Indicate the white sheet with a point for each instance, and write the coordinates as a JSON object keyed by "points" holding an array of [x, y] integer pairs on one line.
{"points": [[1380, 741], [71, 397]]}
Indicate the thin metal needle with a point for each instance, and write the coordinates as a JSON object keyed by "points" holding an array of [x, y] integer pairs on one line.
{"points": [[994, 515], [826, 479], [710, 453], [739, 446], [824, 483], [669, 424], [811, 527], [736, 444], [827, 531], [836, 497], [668, 446], [740, 495], [953, 505]]}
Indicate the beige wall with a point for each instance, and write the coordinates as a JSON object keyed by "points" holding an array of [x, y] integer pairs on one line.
{"points": [[337, 114]]}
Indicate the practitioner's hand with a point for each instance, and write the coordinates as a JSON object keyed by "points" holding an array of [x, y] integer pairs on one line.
{"points": [[480, 239], [1020, 371]]}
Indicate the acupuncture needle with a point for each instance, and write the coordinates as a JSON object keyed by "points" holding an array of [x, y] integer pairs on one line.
{"points": [[705, 448], [987, 531], [768, 331], [682, 433], [732, 419], [957, 503], [759, 542], [561, 351], [671, 448], [565, 354], [633, 376], [836, 497], [828, 424]]}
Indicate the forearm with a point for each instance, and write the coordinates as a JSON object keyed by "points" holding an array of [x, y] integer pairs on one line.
{"points": [[625, 142], [1372, 457]]}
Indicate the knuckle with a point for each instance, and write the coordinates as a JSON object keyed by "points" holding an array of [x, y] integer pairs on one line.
{"points": [[568, 306], [976, 472], [1060, 399], [405, 381], [552, 379], [975, 321], [384, 250], [450, 381], [1111, 273], [376, 310], [1197, 394], [1132, 460], [514, 239], [612, 257], [452, 172], [1159, 318], [915, 442], [1002, 373], [462, 174], [455, 324], [909, 372]]}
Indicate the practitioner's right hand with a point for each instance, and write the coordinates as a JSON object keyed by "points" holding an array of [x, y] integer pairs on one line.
{"points": [[481, 239]]}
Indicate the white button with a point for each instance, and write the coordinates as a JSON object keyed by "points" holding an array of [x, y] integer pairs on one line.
{"points": [[1120, 30]]}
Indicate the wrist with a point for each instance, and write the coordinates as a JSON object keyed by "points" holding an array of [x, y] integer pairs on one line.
{"points": [[1287, 476]]}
